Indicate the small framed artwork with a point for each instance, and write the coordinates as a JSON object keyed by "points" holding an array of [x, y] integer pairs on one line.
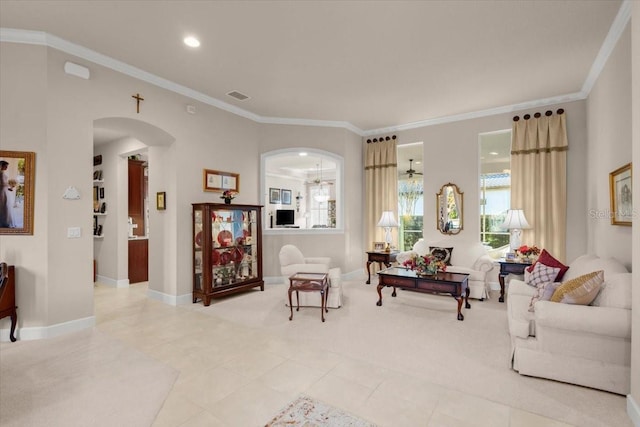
{"points": [[285, 196], [274, 195], [219, 181], [378, 246], [620, 193], [17, 178], [510, 256], [161, 203]]}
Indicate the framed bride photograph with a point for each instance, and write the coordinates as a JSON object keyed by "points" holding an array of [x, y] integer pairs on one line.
{"points": [[17, 176]]}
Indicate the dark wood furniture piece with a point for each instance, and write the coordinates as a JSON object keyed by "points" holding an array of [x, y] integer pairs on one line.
{"points": [[309, 282], [138, 260], [227, 249], [8, 296], [137, 195], [455, 284], [509, 267], [382, 258]]}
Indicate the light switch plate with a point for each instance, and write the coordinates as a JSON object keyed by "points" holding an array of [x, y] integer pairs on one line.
{"points": [[73, 232]]}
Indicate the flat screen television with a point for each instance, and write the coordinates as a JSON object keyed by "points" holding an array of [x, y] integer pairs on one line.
{"points": [[285, 217]]}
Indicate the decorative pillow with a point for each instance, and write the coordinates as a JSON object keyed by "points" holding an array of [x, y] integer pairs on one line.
{"points": [[542, 274], [546, 259], [543, 292], [443, 254], [581, 290]]}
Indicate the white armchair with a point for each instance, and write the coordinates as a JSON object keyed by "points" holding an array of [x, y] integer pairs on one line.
{"points": [[292, 261], [466, 257]]}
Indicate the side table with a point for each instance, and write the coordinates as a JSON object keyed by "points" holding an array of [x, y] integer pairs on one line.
{"points": [[509, 267], [310, 282], [381, 257]]}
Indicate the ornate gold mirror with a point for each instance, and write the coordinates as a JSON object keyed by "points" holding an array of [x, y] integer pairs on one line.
{"points": [[449, 209]]}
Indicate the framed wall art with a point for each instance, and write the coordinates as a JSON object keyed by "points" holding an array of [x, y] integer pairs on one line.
{"points": [[161, 203], [620, 193], [219, 181], [285, 197], [274, 195], [17, 184]]}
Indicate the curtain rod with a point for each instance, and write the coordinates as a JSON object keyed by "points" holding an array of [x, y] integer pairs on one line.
{"points": [[382, 138], [537, 115]]}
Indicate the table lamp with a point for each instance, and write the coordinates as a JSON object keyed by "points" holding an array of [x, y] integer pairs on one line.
{"points": [[387, 220], [515, 221]]}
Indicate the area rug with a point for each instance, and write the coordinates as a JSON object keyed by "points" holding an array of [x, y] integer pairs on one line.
{"points": [[308, 412], [81, 379]]}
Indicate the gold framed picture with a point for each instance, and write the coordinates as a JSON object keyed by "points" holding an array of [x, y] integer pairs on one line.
{"points": [[620, 193], [161, 203], [17, 181], [219, 181]]}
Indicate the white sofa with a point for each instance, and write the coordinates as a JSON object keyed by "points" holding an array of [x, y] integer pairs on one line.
{"points": [[588, 345], [292, 261], [466, 257]]}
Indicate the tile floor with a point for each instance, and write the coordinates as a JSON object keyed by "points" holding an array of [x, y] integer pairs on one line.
{"points": [[233, 375]]}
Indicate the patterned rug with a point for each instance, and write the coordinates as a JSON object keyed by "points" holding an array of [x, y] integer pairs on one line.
{"points": [[307, 412]]}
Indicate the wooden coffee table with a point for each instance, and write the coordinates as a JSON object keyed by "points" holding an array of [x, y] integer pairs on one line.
{"points": [[310, 282], [454, 284]]}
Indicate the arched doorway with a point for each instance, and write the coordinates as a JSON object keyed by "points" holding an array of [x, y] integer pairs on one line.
{"points": [[116, 139]]}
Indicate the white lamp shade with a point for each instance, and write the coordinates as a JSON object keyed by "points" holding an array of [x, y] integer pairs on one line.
{"points": [[515, 220], [387, 220]]}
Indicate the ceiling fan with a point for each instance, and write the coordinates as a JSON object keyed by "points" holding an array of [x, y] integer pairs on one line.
{"points": [[411, 171], [318, 179]]}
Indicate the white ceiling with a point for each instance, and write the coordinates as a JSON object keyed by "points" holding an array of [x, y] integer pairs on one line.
{"points": [[371, 64]]}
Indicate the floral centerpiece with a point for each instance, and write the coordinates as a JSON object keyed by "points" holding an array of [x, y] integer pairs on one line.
{"points": [[528, 252], [228, 195], [427, 264]]}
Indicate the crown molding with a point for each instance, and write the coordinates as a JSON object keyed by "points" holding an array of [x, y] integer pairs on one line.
{"points": [[45, 39], [481, 113], [617, 27]]}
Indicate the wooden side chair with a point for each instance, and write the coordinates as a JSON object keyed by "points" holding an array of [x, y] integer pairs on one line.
{"points": [[8, 296]]}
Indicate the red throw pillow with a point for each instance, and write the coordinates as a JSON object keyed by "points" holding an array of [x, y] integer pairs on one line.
{"points": [[546, 259]]}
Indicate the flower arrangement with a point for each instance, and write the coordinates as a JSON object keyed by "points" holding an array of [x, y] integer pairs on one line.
{"points": [[228, 195], [528, 251], [427, 264]]}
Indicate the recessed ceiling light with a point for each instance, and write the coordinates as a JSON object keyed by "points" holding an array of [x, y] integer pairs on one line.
{"points": [[191, 41], [418, 162], [302, 154], [494, 153]]}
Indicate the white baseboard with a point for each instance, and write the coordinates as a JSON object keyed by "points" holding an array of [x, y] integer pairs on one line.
{"points": [[114, 283], [169, 299], [42, 332], [633, 410]]}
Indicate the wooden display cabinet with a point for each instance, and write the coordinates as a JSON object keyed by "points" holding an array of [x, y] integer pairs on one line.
{"points": [[227, 249]]}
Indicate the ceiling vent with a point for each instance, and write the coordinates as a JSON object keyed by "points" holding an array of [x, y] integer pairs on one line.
{"points": [[237, 95]]}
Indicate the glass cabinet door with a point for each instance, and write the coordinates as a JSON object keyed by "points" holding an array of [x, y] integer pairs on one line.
{"points": [[234, 247], [198, 244]]}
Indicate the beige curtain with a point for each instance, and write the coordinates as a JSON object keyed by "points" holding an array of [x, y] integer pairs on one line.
{"points": [[381, 187], [539, 179]]}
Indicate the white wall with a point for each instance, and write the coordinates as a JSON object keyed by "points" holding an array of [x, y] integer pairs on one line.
{"points": [[609, 127], [634, 397], [451, 154]]}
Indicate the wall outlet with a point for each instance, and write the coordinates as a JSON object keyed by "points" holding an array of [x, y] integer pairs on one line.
{"points": [[73, 233]]}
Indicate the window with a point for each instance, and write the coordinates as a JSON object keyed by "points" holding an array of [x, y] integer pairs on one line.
{"points": [[495, 187], [314, 180], [410, 195]]}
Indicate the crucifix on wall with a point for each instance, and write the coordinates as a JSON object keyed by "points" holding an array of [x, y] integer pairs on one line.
{"points": [[138, 98]]}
